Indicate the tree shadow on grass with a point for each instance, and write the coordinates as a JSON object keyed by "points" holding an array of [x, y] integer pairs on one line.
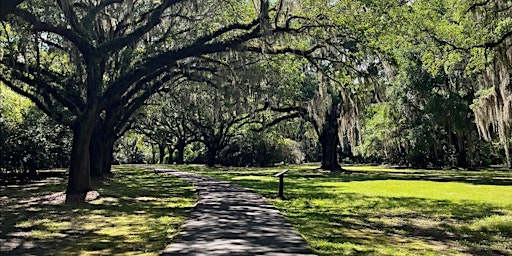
{"points": [[136, 212], [501, 178], [337, 223], [354, 224]]}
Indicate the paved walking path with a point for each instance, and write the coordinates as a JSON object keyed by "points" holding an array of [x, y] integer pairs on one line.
{"points": [[231, 220]]}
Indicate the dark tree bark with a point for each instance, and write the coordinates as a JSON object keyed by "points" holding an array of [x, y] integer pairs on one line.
{"points": [[98, 151], [96, 156], [161, 153], [329, 140], [180, 147], [101, 159], [461, 151], [8, 6], [101, 153], [79, 182], [211, 156], [212, 149]]}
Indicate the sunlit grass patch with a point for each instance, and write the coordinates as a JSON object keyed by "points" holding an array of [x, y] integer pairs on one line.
{"points": [[382, 211], [137, 213], [451, 191], [498, 223]]}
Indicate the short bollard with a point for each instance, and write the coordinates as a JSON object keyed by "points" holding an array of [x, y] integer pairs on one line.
{"points": [[281, 183]]}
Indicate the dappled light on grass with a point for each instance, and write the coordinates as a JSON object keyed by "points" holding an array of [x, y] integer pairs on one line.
{"points": [[135, 213], [375, 211]]}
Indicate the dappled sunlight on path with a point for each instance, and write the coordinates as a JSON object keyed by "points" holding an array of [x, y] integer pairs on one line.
{"points": [[231, 220]]}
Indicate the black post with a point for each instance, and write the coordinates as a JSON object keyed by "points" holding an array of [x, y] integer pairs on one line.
{"points": [[281, 186], [281, 183]]}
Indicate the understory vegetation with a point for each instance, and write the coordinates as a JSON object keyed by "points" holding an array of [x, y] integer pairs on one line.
{"points": [[384, 211], [134, 213]]}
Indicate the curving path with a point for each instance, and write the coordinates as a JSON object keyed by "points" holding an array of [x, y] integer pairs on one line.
{"points": [[231, 220]]}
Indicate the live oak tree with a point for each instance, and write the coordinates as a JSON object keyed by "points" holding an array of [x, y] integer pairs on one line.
{"points": [[477, 36], [116, 121], [493, 107], [221, 103], [221, 100], [424, 119], [165, 121], [460, 40], [79, 61], [339, 76]]}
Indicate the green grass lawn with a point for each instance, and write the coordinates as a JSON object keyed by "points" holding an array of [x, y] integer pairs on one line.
{"points": [[137, 213], [379, 211]]}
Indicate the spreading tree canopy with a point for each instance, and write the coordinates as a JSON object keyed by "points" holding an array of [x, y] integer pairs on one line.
{"points": [[83, 62]]}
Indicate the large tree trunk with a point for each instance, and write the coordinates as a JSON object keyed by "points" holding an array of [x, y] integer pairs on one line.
{"points": [[181, 152], [96, 155], [96, 152], [101, 152], [79, 182], [108, 156], [329, 140], [211, 156], [102, 147]]}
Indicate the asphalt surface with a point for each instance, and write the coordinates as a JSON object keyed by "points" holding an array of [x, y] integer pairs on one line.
{"points": [[231, 220]]}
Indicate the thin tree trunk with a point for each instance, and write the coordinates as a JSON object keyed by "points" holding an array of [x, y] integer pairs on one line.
{"points": [[108, 156], [171, 152], [161, 153], [460, 145], [508, 156], [153, 153]]}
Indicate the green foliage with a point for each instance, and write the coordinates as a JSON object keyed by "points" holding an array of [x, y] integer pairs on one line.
{"points": [[262, 149], [381, 134], [426, 120], [30, 140], [12, 106], [132, 148], [195, 153]]}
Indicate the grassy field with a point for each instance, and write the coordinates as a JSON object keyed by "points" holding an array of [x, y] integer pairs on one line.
{"points": [[379, 211], [136, 213]]}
